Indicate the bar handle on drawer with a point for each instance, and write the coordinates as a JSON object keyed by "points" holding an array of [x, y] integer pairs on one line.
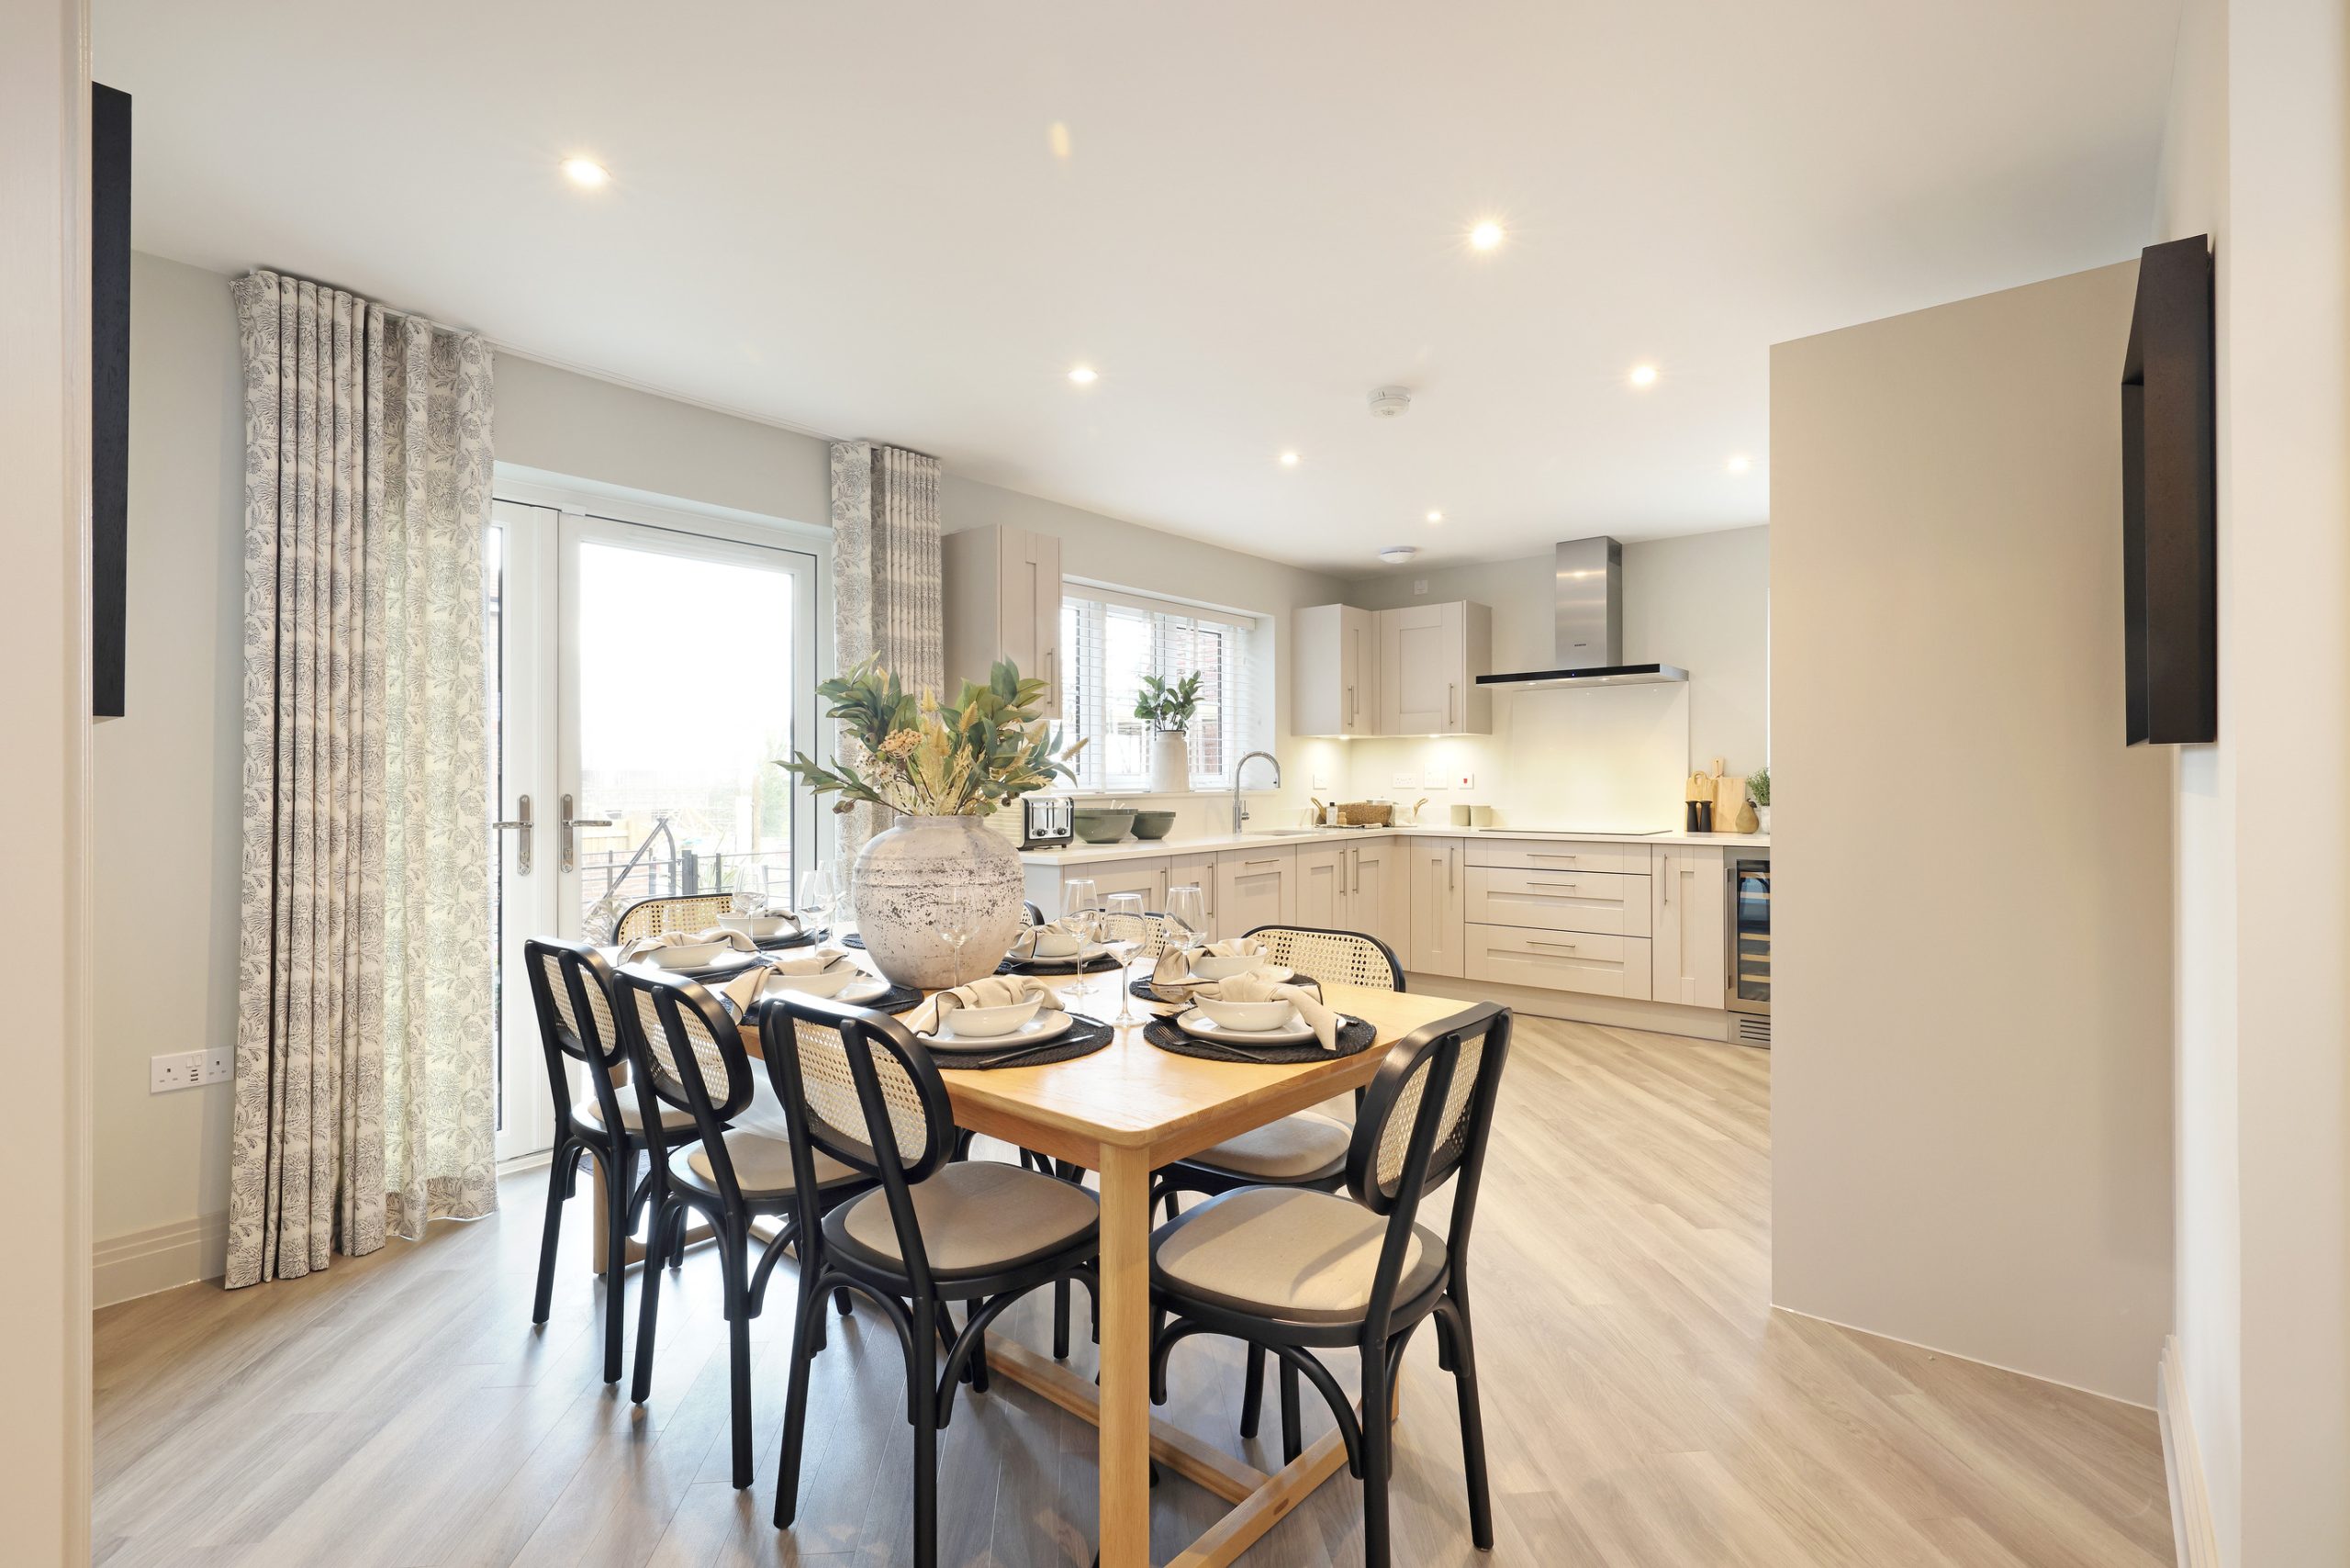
{"points": [[1552, 887], [1567, 947], [1537, 855], [1272, 862]]}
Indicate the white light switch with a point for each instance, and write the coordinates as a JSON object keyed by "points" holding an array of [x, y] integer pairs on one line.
{"points": [[1321, 780], [1407, 780]]}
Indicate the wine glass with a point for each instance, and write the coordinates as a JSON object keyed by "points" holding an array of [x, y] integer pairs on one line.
{"points": [[1126, 924], [954, 929], [1187, 906], [815, 897], [1082, 903]]}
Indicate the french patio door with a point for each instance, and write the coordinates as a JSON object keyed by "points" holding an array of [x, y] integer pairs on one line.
{"points": [[648, 671]]}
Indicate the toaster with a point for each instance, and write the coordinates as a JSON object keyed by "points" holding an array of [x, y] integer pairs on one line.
{"points": [[1046, 821]]}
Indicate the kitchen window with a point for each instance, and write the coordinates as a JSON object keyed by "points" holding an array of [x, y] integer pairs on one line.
{"points": [[1112, 640]]}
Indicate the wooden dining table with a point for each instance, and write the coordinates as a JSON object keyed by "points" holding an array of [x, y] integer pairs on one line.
{"points": [[1124, 1112]]}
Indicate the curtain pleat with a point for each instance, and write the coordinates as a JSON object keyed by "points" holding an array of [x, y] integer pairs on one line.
{"points": [[887, 592], [367, 471]]}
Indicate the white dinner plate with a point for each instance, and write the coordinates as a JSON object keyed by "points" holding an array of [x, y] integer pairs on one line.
{"points": [[1200, 1025], [1046, 1026], [859, 991], [1094, 953], [700, 956], [1271, 972]]}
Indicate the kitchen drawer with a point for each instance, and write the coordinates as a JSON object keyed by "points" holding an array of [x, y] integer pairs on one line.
{"points": [[1600, 901], [1558, 855], [1603, 966]]}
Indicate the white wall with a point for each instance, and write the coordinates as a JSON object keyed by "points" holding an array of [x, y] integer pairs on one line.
{"points": [[1610, 757], [166, 779], [1970, 1086]]}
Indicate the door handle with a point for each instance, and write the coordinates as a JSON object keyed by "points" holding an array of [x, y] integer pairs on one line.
{"points": [[1448, 882], [570, 838], [521, 825], [1451, 691]]}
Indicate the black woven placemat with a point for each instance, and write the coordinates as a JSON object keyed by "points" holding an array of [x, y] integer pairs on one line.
{"points": [[796, 939], [1354, 1036], [1099, 964], [1085, 1037], [896, 999]]}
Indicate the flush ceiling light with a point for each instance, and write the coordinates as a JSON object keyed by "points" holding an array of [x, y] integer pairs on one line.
{"points": [[1289, 459], [1396, 555], [1084, 376], [1643, 376], [1486, 236], [1436, 517], [1740, 464], [585, 173]]}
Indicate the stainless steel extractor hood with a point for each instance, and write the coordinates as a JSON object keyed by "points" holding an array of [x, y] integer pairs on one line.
{"points": [[1590, 625]]}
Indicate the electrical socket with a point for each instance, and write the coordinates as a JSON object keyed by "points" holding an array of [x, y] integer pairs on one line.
{"points": [[1407, 780], [180, 1070], [220, 1065], [1321, 780], [1464, 780]]}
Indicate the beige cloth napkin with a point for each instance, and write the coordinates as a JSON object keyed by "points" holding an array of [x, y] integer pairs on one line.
{"points": [[1174, 966], [745, 988], [1023, 946], [631, 951], [995, 991], [1322, 1020]]}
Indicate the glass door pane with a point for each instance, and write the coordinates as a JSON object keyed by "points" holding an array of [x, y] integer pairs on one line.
{"points": [[689, 670]]}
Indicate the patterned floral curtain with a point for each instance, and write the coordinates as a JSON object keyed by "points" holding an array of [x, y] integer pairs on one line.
{"points": [[365, 1096], [887, 597]]}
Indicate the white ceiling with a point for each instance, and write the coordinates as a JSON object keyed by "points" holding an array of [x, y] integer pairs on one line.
{"points": [[848, 217]]}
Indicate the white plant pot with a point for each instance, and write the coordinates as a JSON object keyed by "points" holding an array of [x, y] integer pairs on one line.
{"points": [[1170, 762], [932, 874], [1762, 819]]}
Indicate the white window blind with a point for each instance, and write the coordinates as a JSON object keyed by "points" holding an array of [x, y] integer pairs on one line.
{"points": [[1111, 640]]}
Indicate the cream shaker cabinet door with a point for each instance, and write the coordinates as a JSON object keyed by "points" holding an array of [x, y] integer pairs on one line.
{"points": [[1376, 891], [1255, 887], [1421, 669], [1686, 908], [1438, 886], [1321, 885]]}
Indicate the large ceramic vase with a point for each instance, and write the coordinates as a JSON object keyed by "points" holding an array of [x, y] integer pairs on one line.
{"points": [[1170, 762], [927, 879]]}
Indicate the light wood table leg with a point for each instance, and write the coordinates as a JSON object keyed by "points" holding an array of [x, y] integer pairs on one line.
{"points": [[1125, 1358]]}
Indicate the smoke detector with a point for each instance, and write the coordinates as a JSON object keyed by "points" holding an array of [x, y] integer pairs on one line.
{"points": [[1397, 554], [1390, 402]]}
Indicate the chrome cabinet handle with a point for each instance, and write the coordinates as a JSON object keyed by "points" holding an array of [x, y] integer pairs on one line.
{"points": [[1450, 693], [1449, 884], [1537, 855], [1551, 886], [1564, 946], [1260, 862], [570, 838], [520, 823]]}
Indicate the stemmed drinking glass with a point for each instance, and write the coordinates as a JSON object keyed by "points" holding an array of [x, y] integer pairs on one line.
{"points": [[954, 929], [1083, 902], [1187, 908], [816, 895], [1125, 926]]}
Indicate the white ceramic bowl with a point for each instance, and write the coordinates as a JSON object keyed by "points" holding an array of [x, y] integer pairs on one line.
{"points": [[1207, 967], [1245, 1015], [983, 1023], [1055, 945], [823, 982], [696, 956], [756, 925]]}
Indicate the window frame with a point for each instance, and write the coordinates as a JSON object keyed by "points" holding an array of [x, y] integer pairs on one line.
{"points": [[1094, 711]]}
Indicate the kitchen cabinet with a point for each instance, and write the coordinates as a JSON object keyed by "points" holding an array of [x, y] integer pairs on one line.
{"points": [[1557, 855], [1354, 887], [1002, 600], [1321, 885], [1599, 901], [1048, 886], [1430, 658], [1686, 909], [1437, 891], [1199, 872], [1334, 661], [1255, 887], [1561, 960]]}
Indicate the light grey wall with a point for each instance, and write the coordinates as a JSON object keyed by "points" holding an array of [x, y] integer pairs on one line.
{"points": [[1970, 1083], [166, 833]]}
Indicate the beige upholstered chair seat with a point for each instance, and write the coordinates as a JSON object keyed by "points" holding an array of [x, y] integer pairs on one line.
{"points": [[762, 1166], [591, 1114], [976, 1217], [1304, 1148], [1286, 1253]]}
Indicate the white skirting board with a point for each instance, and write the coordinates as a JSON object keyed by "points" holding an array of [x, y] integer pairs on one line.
{"points": [[146, 1261], [2190, 1505], [1617, 1012]]}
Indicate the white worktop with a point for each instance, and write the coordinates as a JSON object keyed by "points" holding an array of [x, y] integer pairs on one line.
{"points": [[1080, 851]]}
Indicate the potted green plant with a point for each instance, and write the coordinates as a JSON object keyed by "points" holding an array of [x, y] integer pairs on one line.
{"points": [[937, 880], [1758, 789], [1167, 708]]}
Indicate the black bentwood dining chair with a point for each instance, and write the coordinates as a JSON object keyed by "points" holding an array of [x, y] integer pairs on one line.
{"points": [[571, 990], [857, 1089], [688, 1054], [1295, 1271]]}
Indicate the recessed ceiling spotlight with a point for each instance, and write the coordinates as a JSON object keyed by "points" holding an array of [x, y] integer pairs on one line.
{"points": [[1436, 517], [1740, 464], [585, 173], [1084, 376], [1485, 236], [1289, 459], [1643, 376], [1396, 555]]}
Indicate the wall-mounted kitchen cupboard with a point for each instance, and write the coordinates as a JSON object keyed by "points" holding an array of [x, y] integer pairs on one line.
{"points": [[1004, 601], [1411, 671]]}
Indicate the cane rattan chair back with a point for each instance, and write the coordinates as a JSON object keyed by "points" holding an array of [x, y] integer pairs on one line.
{"points": [[846, 1063], [1429, 1114], [1336, 958], [684, 912], [687, 1046], [571, 990]]}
